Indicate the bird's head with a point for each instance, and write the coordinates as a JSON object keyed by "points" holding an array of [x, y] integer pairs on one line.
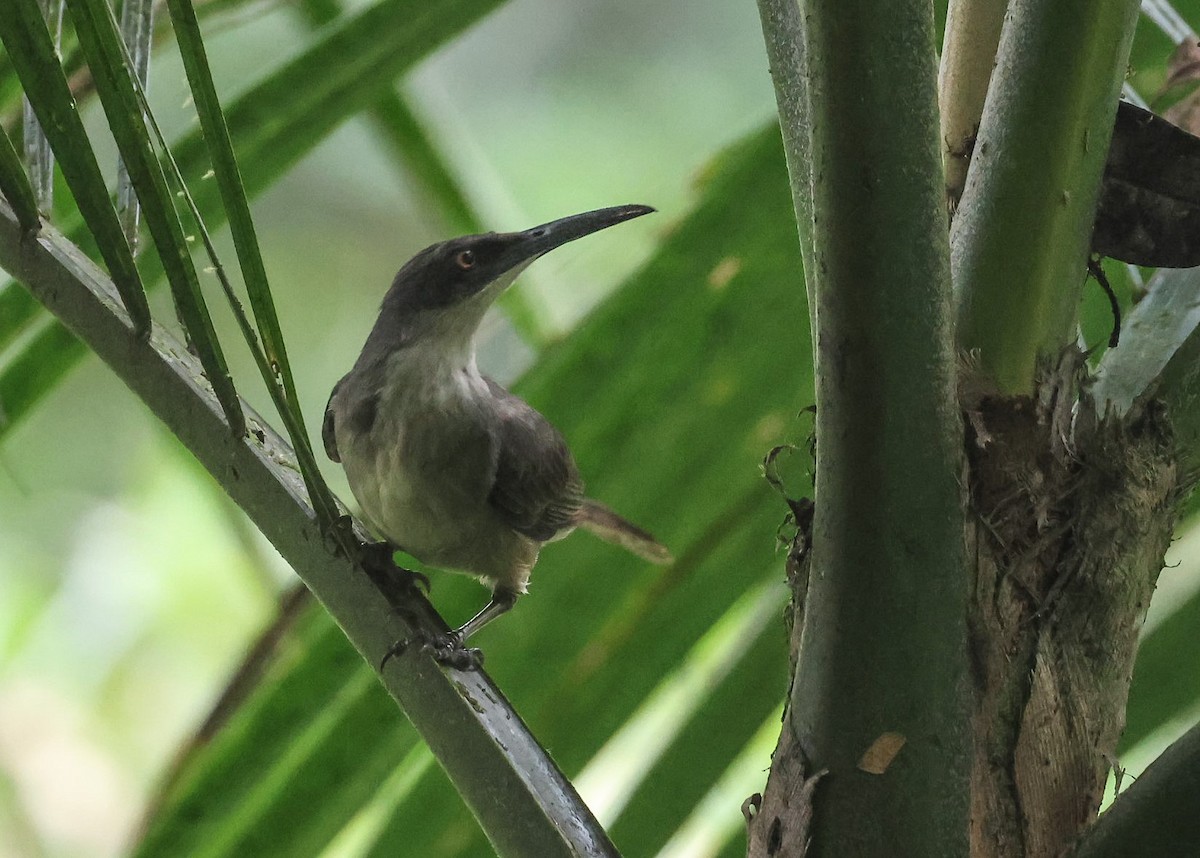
{"points": [[447, 287]]}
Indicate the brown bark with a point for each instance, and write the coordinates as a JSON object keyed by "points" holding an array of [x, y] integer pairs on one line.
{"points": [[1070, 520], [779, 822], [1071, 525]]}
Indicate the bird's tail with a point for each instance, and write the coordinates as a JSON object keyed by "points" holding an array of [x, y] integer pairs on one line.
{"points": [[610, 527]]}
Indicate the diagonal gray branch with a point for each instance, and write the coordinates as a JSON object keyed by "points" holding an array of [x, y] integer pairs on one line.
{"points": [[524, 803]]}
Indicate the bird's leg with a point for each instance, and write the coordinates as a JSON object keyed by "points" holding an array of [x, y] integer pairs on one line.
{"points": [[375, 557], [447, 648], [401, 587], [501, 603]]}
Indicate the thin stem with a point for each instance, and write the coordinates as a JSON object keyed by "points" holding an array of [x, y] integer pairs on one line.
{"points": [[783, 33], [39, 157], [1022, 233], [137, 30], [968, 55]]}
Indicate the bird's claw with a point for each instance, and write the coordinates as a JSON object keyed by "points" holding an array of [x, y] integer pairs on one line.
{"points": [[377, 558], [340, 537], [457, 656], [445, 648]]}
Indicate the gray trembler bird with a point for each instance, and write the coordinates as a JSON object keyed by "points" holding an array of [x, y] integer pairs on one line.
{"points": [[446, 464]]}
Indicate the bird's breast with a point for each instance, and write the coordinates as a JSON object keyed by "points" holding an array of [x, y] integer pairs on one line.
{"points": [[423, 470]]}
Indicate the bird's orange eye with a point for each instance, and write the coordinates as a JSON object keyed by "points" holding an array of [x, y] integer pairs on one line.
{"points": [[465, 260]]}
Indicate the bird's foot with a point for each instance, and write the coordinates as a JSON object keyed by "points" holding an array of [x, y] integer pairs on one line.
{"points": [[340, 537], [444, 647], [377, 558]]}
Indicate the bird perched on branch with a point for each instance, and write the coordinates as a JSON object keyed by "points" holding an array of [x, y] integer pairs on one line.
{"points": [[446, 464]]}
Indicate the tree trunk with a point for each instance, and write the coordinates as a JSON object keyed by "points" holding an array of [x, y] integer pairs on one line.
{"points": [[1069, 518]]}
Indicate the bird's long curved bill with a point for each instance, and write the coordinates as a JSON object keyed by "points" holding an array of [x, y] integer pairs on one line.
{"points": [[532, 243]]}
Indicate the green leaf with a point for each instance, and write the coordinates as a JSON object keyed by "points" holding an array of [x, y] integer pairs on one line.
{"points": [[31, 50], [220, 150], [26, 376], [228, 798], [1162, 689], [14, 184], [97, 33], [276, 122], [714, 735], [398, 128], [10, 84], [273, 364]]}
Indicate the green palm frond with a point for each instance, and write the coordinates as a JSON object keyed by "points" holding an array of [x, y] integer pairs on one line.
{"points": [[302, 117]]}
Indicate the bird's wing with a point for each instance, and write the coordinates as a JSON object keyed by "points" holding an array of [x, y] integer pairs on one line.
{"points": [[329, 427], [537, 490]]}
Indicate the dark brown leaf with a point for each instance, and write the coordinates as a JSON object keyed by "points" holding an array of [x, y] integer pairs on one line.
{"points": [[1149, 210]]}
